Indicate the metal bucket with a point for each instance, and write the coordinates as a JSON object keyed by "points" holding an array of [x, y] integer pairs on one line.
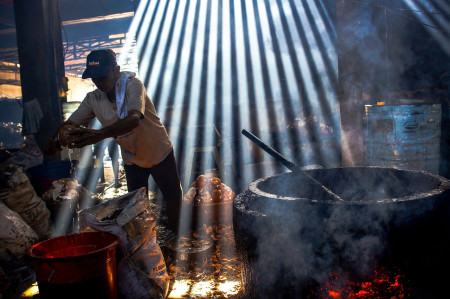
{"points": [[404, 136]]}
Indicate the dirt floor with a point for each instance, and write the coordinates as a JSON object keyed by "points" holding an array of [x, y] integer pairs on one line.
{"points": [[201, 263]]}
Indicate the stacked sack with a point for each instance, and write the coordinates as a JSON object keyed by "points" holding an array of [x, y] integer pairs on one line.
{"points": [[16, 236], [24, 220], [141, 269], [20, 197]]}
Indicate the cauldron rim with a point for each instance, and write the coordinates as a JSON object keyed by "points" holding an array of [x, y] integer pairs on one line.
{"points": [[253, 187]]}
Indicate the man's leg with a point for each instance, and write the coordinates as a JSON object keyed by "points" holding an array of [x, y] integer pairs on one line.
{"points": [[167, 179], [137, 177]]}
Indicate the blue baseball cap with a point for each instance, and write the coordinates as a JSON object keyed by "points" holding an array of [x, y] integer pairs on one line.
{"points": [[99, 63]]}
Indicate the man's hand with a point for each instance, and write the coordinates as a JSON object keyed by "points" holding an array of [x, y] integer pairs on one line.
{"points": [[52, 145], [83, 136]]}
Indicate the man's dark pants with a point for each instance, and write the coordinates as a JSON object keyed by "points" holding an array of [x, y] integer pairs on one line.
{"points": [[166, 178]]}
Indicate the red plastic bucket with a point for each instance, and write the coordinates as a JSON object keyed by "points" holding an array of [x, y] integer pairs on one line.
{"points": [[76, 266]]}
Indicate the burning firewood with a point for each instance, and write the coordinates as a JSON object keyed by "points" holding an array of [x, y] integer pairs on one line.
{"points": [[383, 283]]}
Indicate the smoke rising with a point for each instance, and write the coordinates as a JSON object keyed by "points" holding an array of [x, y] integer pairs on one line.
{"points": [[300, 242], [396, 49]]}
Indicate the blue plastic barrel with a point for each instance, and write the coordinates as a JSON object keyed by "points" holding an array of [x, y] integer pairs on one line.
{"points": [[404, 136]]}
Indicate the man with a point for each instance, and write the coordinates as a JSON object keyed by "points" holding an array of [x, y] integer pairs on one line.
{"points": [[122, 106]]}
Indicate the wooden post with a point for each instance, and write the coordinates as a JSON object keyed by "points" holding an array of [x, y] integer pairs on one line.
{"points": [[39, 43]]}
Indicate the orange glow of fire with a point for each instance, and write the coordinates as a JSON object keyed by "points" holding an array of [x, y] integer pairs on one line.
{"points": [[382, 284], [334, 294]]}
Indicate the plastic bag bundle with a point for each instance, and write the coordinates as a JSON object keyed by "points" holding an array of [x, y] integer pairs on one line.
{"points": [[21, 198], [141, 269], [28, 155], [63, 200]]}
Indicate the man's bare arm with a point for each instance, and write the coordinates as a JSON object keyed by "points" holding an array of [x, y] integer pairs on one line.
{"points": [[121, 127]]}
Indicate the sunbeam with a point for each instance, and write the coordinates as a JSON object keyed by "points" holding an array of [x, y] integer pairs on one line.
{"points": [[437, 25], [213, 68]]}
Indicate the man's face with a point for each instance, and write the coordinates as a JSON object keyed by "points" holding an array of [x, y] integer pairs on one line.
{"points": [[106, 84]]}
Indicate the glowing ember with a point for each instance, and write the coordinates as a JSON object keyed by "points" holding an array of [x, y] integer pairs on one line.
{"points": [[32, 291], [382, 284], [334, 294]]}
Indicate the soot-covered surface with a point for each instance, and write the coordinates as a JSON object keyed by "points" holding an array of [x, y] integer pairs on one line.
{"points": [[353, 185], [295, 234]]}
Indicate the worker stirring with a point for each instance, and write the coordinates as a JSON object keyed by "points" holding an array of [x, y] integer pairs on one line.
{"points": [[126, 113]]}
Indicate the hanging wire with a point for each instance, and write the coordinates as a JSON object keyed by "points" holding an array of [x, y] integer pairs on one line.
{"points": [[424, 11], [425, 24], [386, 49]]}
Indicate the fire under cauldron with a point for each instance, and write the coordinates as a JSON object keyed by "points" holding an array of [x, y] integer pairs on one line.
{"points": [[292, 234]]}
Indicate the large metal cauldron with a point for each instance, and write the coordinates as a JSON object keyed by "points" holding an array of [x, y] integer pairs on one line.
{"points": [[294, 234]]}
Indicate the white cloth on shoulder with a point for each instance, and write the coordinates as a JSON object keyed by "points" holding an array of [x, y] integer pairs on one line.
{"points": [[121, 85]]}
